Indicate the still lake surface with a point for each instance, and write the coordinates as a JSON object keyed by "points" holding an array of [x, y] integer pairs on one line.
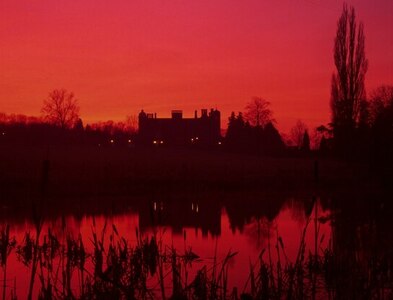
{"points": [[211, 227]]}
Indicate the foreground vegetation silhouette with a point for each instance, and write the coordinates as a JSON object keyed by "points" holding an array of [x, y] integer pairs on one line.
{"points": [[106, 265]]}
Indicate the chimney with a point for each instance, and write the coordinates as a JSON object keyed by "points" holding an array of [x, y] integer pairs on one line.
{"points": [[177, 114], [196, 114]]}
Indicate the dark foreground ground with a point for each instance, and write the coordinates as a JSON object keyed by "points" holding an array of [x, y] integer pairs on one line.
{"points": [[94, 171], [78, 182]]}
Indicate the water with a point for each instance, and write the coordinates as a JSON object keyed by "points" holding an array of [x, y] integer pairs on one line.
{"points": [[209, 227]]}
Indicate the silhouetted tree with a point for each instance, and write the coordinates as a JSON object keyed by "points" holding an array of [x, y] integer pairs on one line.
{"points": [[257, 135], [381, 102], [381, 122], [231, 129], [131, 124], [258, 113], [325, 131], [306, 142], [347, 88], [323, 145], [272, 141], [236, 136], [79, 125], [61, 108], [231, 120], [297, 133], [3, 117]]}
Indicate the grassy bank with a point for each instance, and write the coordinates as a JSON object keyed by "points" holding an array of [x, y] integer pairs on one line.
{"points": [[112, 171]]}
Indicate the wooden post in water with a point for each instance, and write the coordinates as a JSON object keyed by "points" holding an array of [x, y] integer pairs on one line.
{"points": [[316, 227], [316, 237], [316, 171], [45, 176], [5, 252]]}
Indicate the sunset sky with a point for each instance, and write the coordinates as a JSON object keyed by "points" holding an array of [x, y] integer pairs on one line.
{"points": [[124, 55]]}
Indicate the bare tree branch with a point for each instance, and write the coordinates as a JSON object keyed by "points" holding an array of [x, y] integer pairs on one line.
{"points": [[351, 66], [258, 112], [61, 108]]}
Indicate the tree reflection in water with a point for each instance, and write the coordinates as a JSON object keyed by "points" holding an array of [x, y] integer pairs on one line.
{"points": [[273, 248]]}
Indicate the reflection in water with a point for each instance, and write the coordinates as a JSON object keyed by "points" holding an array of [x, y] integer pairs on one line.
{"points": [[266, 246], [182, 214]]}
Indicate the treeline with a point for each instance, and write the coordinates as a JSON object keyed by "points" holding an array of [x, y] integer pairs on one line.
{"points": [[242, 137], [371, 136], [26, 130], [254, 132]]}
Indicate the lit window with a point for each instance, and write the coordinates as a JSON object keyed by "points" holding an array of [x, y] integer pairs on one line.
{"points": [[112, 141], [197, 138], [219, 143], [129, 141], [154, 142], [161, 142], [192, 139]]}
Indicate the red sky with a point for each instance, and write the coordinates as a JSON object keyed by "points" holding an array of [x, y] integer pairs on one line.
{"points": [[121, 56]]}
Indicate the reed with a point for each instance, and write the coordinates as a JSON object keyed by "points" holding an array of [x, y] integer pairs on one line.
{"points": [[118, 269], [7, 243]]}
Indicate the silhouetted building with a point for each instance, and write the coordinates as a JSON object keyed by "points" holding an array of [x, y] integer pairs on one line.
{"points": [[204, 130], [181, 214]]}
